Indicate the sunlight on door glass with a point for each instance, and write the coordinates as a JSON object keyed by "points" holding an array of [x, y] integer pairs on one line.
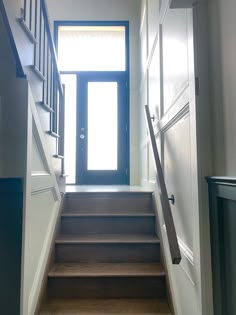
{"points": [[70, 126], [91, 48], [102, 125]]}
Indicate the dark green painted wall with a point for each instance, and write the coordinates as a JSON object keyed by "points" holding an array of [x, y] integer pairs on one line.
{"points": [[222, 197], [11, 209]]}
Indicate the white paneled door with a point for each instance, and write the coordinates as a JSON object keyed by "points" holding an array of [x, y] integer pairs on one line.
{"points": [[178, 134], [173, 43]]}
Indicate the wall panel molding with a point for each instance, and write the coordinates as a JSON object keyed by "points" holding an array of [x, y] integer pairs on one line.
{"points": [[42, 261], [187, 262], [174, 117], [41, 190], [186, 251], [182, 96]]}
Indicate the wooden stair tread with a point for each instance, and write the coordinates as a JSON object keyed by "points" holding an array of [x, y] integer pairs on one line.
{"points": [[108, 193], [108, 201], [107, 270], [106, 214], [106, 307], [107, 239]]}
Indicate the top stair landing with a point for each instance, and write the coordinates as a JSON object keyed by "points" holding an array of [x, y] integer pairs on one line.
{"points": [[107, 199]]}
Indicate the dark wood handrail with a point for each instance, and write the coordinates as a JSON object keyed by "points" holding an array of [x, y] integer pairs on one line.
{"points": [[52, 46], [168, 218]]}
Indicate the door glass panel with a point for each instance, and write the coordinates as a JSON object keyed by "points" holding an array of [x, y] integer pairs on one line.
{"points": [[91, 48], [70, 126], [102, 125]]}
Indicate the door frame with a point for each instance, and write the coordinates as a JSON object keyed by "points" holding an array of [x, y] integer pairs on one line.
{"points": [[59, 23], [102, 177]]}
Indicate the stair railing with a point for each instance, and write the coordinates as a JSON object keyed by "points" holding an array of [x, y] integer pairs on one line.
{"points": [[167, 214], [35, 21]]}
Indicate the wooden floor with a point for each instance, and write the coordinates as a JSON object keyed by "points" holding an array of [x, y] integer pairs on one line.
{"points": [[106, 307]]}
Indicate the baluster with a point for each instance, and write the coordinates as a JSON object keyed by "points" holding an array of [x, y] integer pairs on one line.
{"points": [[51, 85], [36, 19], [57, 109], [54, 101], [48, 68], [44, 64], [35, 31], [57, 119], [40, 37], [54, 105], [44, 49], [51, 93], [25, 9], [61, 123], [30, 15]]}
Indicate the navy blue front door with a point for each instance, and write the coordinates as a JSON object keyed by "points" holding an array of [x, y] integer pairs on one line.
{"points": [[102, 155]]}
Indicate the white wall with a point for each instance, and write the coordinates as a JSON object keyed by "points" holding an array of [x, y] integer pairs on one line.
{"points": [[111, 10], [223, 77]]}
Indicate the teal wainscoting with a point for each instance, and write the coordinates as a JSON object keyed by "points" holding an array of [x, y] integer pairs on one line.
{"points": [[11, 209], [222, 198]]}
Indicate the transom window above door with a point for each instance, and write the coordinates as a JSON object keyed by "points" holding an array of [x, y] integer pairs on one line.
{"points": [[92, 48], [93, 58]]}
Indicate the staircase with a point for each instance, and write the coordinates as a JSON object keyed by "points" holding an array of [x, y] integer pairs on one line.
{"points": [[107, 257]]}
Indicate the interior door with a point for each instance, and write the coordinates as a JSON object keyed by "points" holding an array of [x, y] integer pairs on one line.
{"points": [[102, 155], [180, 153]]}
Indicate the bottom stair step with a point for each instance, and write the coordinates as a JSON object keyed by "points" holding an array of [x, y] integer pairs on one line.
{"points": [[105, 307], [107, 288], [107, 280], [122, 287]]}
